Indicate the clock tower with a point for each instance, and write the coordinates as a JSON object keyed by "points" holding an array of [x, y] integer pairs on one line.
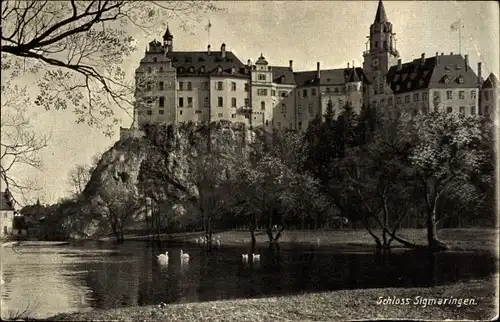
{"points": [[380, 54]]}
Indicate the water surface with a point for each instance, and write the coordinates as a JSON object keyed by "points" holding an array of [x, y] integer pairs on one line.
{"points": [[68, 278]]}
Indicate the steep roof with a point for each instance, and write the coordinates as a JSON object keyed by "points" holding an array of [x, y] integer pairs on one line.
{"points": [[5, 203], [491, 82], [380, 16], [168, 35], [436, 72], [192, 63], [329, 76], [279, 71]]}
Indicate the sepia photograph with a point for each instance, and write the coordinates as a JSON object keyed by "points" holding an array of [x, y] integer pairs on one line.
{"points": [[258, 161]]}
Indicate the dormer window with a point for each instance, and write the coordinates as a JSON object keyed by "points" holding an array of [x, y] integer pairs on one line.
{"points": [[460, 79], [446, 80], [421, 83], [202, 69], [397, 87], [219, 69], [180, 70], [191, 69], [282, 79]]}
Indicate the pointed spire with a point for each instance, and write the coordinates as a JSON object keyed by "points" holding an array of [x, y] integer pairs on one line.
{"points": [[167, 35], [380, 16]]}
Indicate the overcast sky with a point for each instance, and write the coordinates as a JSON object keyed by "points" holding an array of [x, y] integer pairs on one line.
{"points": [[331, 32]]}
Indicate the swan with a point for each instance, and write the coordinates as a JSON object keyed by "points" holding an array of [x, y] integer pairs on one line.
{"points": [[184, 256], [244, 257], [163, 257], [256, 257]]}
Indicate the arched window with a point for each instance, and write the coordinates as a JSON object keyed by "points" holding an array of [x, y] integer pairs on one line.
{"points": [[262, 105]]}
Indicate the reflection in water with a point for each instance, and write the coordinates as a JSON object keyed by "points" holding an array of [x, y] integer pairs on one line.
{"points": [[100, 275]]}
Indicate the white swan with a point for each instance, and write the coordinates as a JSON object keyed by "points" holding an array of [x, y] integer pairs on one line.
{"points": [[184, 256], [256, 257], [163, 258], [244, 257]]}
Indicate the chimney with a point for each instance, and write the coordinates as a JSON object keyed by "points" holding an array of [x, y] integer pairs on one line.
{"points": [[233, 70], [318, 73], [223, 50], [399, 64], [479, 73], [347, 65], [291, 65], [451, 53], [422, 59], [249, 63], [466, 62], [442, 54], [208, 49], [437, 57]]}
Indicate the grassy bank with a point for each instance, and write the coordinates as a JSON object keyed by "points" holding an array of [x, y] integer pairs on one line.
{"points": [[328, 306], [470, 239]]}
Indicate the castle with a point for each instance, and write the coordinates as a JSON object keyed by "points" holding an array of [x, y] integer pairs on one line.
{"points": [[177, 86]]}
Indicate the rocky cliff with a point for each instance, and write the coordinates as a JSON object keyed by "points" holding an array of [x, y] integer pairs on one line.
{"points": [[167, 157]]}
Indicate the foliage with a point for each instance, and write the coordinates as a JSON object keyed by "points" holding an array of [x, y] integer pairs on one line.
{"points": [[20, 144]]}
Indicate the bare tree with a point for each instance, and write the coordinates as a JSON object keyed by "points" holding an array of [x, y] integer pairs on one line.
{"points": [[81, 174], [81, 46], [20, 144]]}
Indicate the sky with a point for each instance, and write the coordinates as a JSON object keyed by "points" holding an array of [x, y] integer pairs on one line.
{"points": [[330, 32]]}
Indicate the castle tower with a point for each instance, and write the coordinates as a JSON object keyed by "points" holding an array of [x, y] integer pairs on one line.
{"points": [[380, 53], [168, 41]]}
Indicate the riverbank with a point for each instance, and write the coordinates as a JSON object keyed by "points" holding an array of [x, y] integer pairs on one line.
{"points": [[465, 239], [478, 302]]}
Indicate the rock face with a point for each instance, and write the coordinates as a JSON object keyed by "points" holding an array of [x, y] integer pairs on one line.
{"points": [[166, 157]]}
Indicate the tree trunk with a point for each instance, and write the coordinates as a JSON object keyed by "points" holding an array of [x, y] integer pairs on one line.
{"points": [[432, 201]]}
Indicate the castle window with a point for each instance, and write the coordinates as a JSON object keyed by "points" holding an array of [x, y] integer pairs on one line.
{"points": [[299, 109], [220, 101], [461, 110], [461, 95], [473, 95], [283, 108], [190, 102], [181, 86], [262, 77], [436, 95], [181, 101], [150, 112], [161, 69], [204, 86], [446, 80], [233, 86], [449, 95], [424, 96], [161, 86], [389, 101], [376, 44], [263, 105], [407, 99], [161, 112], [149, 86], [219, 69], [219, 86], [415, 97], [220, 115], [487, 110], [233, 102], [449, 109], [283, 94], [311, 108], [246, 102], [155, 59], [304, 93], [328, 89], [233, 116], [191, 69], [460, 80], [180, 112], [161, 102], [313, 91], [206, 102], [300, 125], [190, 86], [472, 110], [198, 111], [150, 70], [246, 87], [262, 92], [273, 92], [398, 100], [267, 122], [202, 69]]}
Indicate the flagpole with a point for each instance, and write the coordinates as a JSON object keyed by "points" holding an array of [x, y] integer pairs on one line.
{"points": [[460, 36]]}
